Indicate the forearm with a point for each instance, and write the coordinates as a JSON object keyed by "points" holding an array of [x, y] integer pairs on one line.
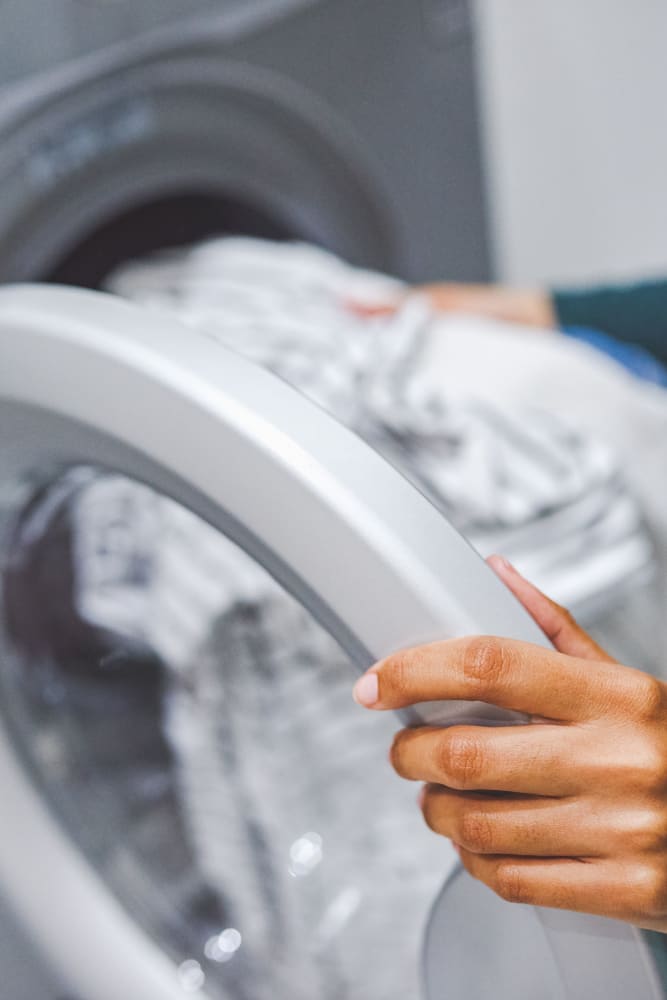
{"points": [[632, 313]]}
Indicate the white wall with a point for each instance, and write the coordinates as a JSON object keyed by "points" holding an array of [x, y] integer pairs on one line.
{"points": [[575, 108]]}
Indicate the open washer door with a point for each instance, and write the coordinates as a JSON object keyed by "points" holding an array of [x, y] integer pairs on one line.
{"points": [[90, 383]]}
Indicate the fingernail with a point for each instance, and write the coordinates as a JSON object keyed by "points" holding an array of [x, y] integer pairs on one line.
{"points": [[456, 848], [421, 797], [366, 690]]}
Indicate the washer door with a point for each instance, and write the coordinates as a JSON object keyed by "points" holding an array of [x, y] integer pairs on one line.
{"points": [[135, 740]]}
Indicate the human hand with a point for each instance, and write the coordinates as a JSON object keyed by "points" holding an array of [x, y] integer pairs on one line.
{"points": [[567, 812], [529, 307]]}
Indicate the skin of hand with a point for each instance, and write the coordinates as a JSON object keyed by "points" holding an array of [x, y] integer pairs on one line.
{"points": [[568, 811], [529, 307]]}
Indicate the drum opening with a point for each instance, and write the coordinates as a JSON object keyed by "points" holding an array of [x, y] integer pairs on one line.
{"points": [[165, 222]]}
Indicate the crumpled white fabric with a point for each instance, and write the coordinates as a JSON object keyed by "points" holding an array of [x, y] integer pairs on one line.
{"points": [[512, 476]]}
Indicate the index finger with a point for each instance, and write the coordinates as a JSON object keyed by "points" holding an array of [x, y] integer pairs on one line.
{"points": [[556, 622], [503, 672]]}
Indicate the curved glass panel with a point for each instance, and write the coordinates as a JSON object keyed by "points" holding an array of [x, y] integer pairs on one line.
{"points": [[192, 728]]}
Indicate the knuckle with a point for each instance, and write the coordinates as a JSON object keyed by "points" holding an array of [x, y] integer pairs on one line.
{"points": [[569, 619], [510, 884], [653, 891], [649, 770], [648, 834], [399, 673], [461, 761], [648, 698], [396, 672], [560, 623], [485, 663], [655, 773], [396, 754], [477, 833], [566, 615], [429, 812], [566, 619]]}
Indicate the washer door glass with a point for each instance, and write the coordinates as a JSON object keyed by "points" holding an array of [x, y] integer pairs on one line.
{"points": [[191, 727]]}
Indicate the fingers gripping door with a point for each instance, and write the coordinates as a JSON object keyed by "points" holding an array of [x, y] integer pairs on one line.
{"points": [[169, 714]]}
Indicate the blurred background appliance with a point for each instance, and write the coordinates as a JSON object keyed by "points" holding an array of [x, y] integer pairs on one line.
{"points": [[126, 127]]}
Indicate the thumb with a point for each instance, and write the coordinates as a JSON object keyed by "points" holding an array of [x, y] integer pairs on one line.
{"points": [[557, 624]]}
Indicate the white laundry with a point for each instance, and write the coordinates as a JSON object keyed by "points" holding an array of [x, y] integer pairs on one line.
{"points": [[512, 477]]}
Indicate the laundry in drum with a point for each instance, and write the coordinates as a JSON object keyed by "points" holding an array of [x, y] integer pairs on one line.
{"points": [[511, 478], [191, 726]]}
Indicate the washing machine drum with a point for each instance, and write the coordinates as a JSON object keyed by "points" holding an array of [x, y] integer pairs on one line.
{"points": [[195, 561], [157, 144]]}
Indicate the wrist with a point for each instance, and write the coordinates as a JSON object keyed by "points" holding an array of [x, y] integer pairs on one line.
{"points": [[540, 309]]}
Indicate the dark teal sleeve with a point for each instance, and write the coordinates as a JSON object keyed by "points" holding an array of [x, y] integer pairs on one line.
{"points": [[633, 313]]}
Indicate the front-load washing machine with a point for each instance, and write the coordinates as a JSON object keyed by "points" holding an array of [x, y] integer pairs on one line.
{"points": [[126, 127], [203, 811], [204, 823]]}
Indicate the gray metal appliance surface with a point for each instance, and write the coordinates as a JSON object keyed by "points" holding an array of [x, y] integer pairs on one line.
{"points": [[128, 127], [345, 534]]}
